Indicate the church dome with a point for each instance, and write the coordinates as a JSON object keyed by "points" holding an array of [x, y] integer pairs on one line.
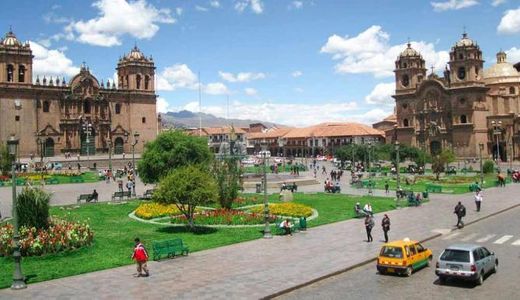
{"points": [[11, 40], [465, 41], [501, 71], [135, 54], [409, 51]]}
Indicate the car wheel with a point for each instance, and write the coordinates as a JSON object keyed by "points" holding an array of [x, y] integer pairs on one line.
{"points": [[495, 267], [409, 271], [480, 278], [429, 263]]}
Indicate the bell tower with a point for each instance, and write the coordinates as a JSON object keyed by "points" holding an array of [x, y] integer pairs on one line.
{"points": [[136, 72], [466, 64], [409, 70], [15, 60]]}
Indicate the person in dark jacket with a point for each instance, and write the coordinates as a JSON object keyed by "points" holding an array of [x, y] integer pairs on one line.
{"points": [[369, 224], [460, 211], [385, 223]]}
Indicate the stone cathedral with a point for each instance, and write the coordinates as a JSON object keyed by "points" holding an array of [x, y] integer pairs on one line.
{"points": [[51, 116]]}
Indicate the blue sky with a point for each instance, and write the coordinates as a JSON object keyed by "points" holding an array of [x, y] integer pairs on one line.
{"points": [[292, 62]]}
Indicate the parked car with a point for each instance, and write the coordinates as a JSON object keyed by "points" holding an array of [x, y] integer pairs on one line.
{"points": [[467, 262], [403, 257]]}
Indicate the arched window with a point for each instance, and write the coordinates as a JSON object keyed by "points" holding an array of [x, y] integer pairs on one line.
{"points": [[127, 83], [143, 120], [146, 82], [463, 119], [86, 107], [21, 73], [138, 82], [405, 81], [46, 106], [405, 65], [118, 108], [10, 71], [512, 90], [461, 73], [405, 123], [461, 56]]}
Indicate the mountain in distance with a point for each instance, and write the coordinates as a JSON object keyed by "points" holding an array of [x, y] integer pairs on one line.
{"points": [[188, 119]]}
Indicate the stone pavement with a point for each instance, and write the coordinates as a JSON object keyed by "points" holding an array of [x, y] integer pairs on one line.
{"points": [[260, 268]]}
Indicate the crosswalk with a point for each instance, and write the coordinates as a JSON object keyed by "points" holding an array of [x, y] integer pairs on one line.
{"points": [[505, 239]]}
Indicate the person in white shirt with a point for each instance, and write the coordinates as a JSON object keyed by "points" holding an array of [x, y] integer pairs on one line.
{"points": [[368, 208], [478, 199]]}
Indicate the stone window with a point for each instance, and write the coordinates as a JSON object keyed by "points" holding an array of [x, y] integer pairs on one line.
{"points": [[46, 106], [461, 56], [86, 107], [143, 120], [405, 106], [21, 73], [405, 123], [461, 73], [118, 108], [147, 82], [405, 80], [512, 90], [10, 71], [138, 82], [17, 118], [462, 101], [463, 119]]}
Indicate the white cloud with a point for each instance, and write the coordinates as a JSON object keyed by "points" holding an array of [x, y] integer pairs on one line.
{"points": [[370, 52], [498, 2], [179, 11], [216, 88], [162, 105], [176, 76], [256, 6], [241, 77], [381, 94], [251, 91], [510, 22], [214, 4], [50, 62], [453, 4], [117, 18], [371, 116], [200, 8], [296, 73], [296, 5], [513, 55]]}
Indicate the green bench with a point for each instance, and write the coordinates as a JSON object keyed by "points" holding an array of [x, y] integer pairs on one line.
{"points": [[76, 179], [280, 231], [20, 181], [432, 188], [169, 248], [121, 195], [87, 198], [148, 194], [52, 181]]}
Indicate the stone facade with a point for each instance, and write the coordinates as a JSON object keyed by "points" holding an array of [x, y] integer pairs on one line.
{"points": [[52, 117], [466, 109]]}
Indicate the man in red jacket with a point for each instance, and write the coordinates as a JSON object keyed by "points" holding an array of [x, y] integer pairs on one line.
{"points": [[141, 257]]}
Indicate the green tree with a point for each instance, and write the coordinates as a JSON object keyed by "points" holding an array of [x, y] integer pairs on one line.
{"points": [[441, 160], [6, 160], [488, 167], [169, 151], [187, 187], [227, 175], [32, 207]]}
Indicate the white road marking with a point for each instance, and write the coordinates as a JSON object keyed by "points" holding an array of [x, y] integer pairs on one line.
{"points": [[451, 236], [442, 231], [516, 243], [469, 237], [503, 239], [486, 238]]}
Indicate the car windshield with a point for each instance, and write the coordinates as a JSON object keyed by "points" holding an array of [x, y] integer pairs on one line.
{"points": [[393, 252], [455, 255]]}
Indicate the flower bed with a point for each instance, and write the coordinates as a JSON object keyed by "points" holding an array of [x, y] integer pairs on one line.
{"points": [[154, 210], [225, 217], [60, 236], [286, 209]]}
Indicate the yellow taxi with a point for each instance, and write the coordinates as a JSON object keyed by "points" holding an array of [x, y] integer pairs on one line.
{"points": [[403, 257]]}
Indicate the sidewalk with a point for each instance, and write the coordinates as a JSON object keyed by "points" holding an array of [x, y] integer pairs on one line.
{"points": [[259, 268]]}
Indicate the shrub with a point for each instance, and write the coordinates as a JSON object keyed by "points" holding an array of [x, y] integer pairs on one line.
{"points": [[488, 167], [33, 208], [60, 236], [286, 209]]}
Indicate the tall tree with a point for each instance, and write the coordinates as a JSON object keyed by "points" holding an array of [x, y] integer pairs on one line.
{"points": [[227, 175], [6, 160], [187, 187], [171, 150]]}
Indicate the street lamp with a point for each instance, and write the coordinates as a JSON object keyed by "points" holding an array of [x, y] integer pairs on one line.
{"points": [[369, 171], [87, 129], [110, 154], [281, 144], [18, 279], [398, 179], [511, 160], [497, 132], [41, 142], [480, 148], [136, 140], [267, 228]]}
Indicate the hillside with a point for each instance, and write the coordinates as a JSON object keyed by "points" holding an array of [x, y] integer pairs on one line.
{"points": [[188, 119]]}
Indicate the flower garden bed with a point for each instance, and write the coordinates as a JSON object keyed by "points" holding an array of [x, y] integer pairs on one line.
{"points": [[154, 210], [60, 236], [289, 209], [224, 217]]}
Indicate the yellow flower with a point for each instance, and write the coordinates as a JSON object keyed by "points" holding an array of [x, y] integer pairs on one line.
{"points": [[286, 209]]}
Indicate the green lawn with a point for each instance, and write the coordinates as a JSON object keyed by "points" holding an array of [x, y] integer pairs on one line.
{"points": [[86, 177], [115, 232], [260, 169]]}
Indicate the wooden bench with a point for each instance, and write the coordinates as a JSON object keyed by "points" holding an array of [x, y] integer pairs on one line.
{"points": [[87, 198], [121, 195], [169, 248], [148, 194]]}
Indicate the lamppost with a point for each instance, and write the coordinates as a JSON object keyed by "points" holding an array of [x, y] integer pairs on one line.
{"points": [[110, 154], [511, 160], [87, 128], [369, 171], [18, 279], [480, 148], [398, 179], [267, 228], [497, 132], [136, 140], [41, 142], [281, 144]]}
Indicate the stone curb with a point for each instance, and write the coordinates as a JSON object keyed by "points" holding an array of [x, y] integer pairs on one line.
{"points": [[370, 260]]}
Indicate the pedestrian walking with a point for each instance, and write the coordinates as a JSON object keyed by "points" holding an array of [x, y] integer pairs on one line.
{"points": [[129, 186], [369, 224], [386, 187], [460, 211], [385, 223], [140, 256], [478, 199]]}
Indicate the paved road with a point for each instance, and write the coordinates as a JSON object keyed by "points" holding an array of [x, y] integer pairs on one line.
{"points": [[500, 234]]}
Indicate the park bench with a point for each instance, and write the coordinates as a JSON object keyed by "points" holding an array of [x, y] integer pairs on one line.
{"points": [[359, 213], [87, 198], [148, 194], [412, 201], [169, 248], [20, 181], [52, 181], [76, 179], [332, 189], [121, 195], [281, 231], [432, 188], [291, 187]]}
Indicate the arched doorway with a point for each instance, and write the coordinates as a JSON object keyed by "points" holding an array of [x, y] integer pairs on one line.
{"points": [[118, 145], [88, 147], [49, 148], [435, 147]]}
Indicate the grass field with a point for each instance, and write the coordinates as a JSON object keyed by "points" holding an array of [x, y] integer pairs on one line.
{"points": [[114, 233], [35, 179]]}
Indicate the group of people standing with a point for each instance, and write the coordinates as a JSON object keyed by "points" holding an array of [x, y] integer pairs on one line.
{"points": [[370, 223]]}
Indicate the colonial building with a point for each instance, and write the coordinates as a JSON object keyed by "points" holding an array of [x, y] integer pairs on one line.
{"points": [[466, 110], [52, 116]]}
